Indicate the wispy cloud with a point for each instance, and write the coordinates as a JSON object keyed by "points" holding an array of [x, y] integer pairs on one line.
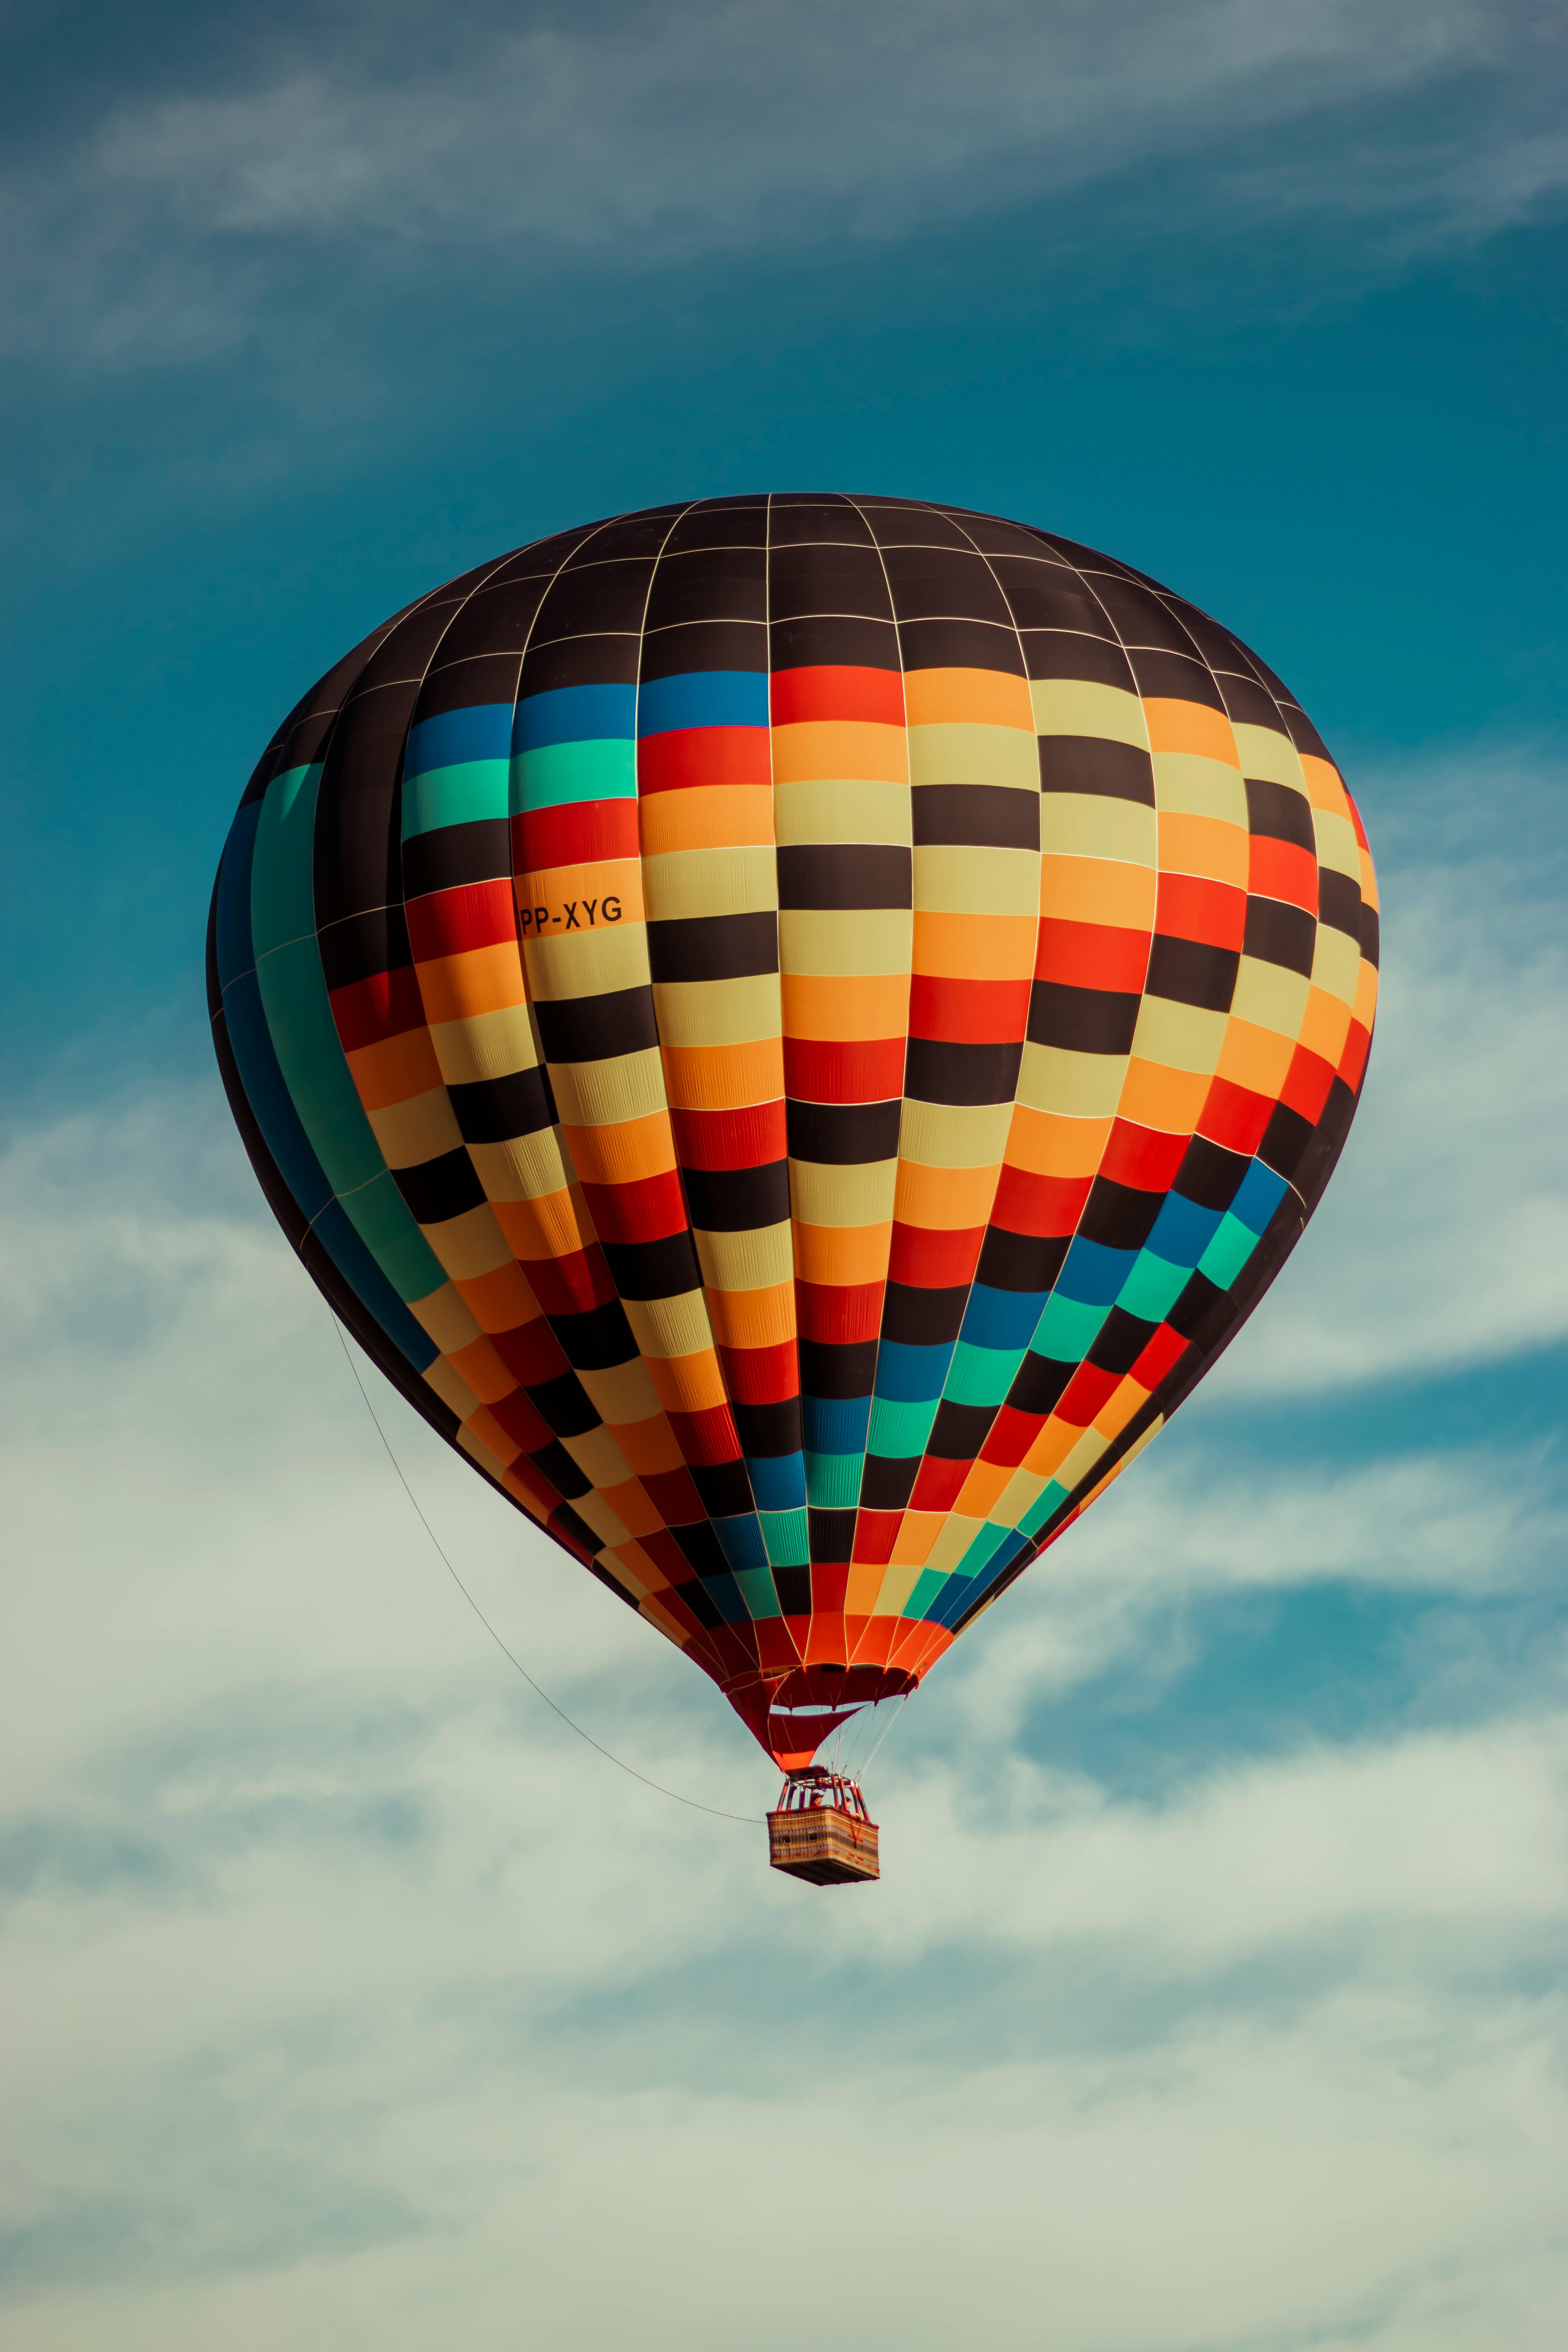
{"points": [[367, 146]]}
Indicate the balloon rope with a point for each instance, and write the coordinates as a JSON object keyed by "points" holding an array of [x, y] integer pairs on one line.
{"points": [[674, 1794]]}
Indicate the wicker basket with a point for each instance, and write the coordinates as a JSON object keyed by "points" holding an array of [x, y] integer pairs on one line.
{"points": [[823, 1844]]}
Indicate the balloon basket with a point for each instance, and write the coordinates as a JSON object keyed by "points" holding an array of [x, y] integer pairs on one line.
{"points": [[820, 1829]]}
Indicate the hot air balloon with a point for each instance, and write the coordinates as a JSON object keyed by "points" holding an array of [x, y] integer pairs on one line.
{"points": [[794, 1030]]}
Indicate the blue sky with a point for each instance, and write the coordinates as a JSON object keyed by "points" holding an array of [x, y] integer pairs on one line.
{"points": [[1214, 1997]]}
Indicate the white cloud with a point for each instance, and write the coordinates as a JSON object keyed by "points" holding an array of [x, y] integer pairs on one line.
{"points": [[360, 2004], [722, 125]]}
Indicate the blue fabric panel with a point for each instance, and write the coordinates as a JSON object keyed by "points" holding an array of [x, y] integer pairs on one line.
{"points": [[1001, 1318], [1182, 1230], [481, 733], [1094, 1275], [778, 1481], [704, 697], [1257, 1196], [836, 1424], [573, 714], [908, 1374]]}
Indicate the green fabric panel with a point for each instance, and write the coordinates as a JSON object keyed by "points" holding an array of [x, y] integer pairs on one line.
{"points": [[1066, 1330], [1153, 1286], [899, 1432], [982, 1375], [986, 1544], [466, 794], [1228, 1251], [833, 1480], [1041, 1508], [756, 1589], [305, 1038], [558, 773], [927, 1584], [787, 1536]]}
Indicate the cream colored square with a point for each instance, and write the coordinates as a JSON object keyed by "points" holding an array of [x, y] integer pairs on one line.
{"points": [[602, 1094], [598, 1457], [670, 1327], [823, 810], [487, 1045], [1336, 963], [1022, 1490], [587, 963], [1337, 845], [1071, 1086], [624, 1393], [446, 1317], [452, 1389], [1072, 706], [524, 1168], [1093, 825], [1268, 755], [821, 1193], [948, 754], [1178, 1036], [954, 1539], [1187, 784], [595, 1512], [896, 1588], [424, 1127], [478, 1450], [954, 1135], [828, 941], [1270, 997], [955, 878], [1082, 1459], [719, 1011], [470, 1244], [686, 883], [747, 1260]]}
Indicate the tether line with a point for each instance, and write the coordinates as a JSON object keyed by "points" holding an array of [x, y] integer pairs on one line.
{"points": [[750, 1820]]}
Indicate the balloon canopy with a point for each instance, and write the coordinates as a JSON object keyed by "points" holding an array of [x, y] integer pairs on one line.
{"points": [[794, 1030]]}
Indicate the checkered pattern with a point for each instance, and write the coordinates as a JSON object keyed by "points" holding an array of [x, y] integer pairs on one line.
{"points": [[795, 1030]]}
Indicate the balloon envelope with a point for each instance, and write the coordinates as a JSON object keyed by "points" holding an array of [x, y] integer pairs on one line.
{"points": [[795, 1030]]}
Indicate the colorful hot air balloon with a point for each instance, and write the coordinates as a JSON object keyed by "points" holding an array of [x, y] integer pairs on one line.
{"points": [[795, 1030]]}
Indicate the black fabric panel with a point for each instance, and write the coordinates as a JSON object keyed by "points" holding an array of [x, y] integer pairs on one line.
{"points": [[461, 684], [1096, 661], [1081, 1020], [437, 1189], [704, 645], [578, 661], [495, 621], [727, 584], [1039, 1385], [1209, 1175], [1249, 704], [360, 947], [827, 579], [453, 854], [1171, 676], [844, 1135], [1369, 933], [594, 1028], [598, 1337], [1046, 595], [1118, 1216], [887, 1483], [556, 1465], [1285, 1140], [740, 523], [767, 1431], [959, 1431], [1279, 933], [724, 1491], [980, 816], [493, 1110], [1189, 971], [939, 1072], [737, 1200], [831, 1535], [961, 645], [666, 1268], [701, 1546], [1023, 1262], [832, 641], [1339, 902], [909, 523], [1142, 619], [564, 1404], [1120, 1341], [792, 1585], [845, 874], [357, 852], [1094, 763], [915, 1317], [1279, 813], [826, 1371], [713, 947]]}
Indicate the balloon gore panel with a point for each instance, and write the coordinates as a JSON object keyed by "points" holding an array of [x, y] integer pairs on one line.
{"points": [[795, 1030]]}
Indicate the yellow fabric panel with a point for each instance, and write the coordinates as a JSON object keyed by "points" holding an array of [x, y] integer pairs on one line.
{"points": [[746, 1261], [485, 1045], [826, 809], [622, 1393], [1197, 787], [732, 880], [1180, 1036], [976, 697], [602, 1094], [452, 1389], [524, 1168], [839, 747], [1266, 754], [717, 1012], [670, 1327], [959, 880], [1092, 825], [599, 1457], [587, 963], [1337, 846], [1070, 705], [610, 877], [968, 754], [1070, 1085], [827, 1194], [446, 1314], [470, 1244], [863, 939], [1268, 995], [419, 1128], [953, 1135]]}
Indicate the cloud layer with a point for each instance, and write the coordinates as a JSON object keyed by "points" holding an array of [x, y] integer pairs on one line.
{"points": [[372, 144]]}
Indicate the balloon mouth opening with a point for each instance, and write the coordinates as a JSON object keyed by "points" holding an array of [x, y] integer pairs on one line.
{"points": [[790, 1714]]}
